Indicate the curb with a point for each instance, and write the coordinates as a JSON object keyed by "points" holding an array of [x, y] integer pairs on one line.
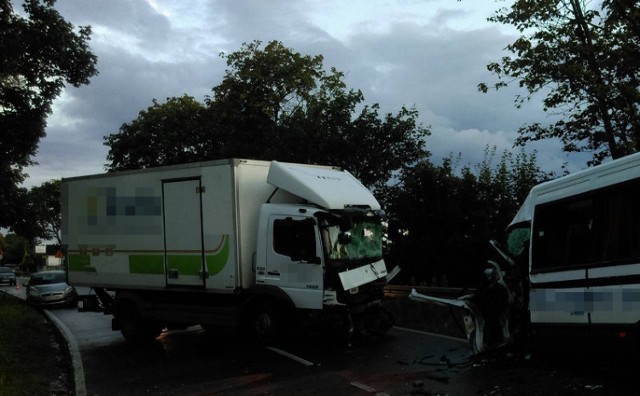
{"points": [[74, 351]]}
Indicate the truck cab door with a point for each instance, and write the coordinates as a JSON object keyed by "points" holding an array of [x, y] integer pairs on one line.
{"points": [[294, 260]]}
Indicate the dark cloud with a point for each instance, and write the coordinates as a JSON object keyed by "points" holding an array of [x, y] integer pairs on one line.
{"points": [[162, 48], [135, 18]]}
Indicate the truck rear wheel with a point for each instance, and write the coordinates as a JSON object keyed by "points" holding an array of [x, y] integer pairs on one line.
{"points": [[133, 327]]}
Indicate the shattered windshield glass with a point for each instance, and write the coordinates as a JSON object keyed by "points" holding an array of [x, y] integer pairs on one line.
{"points": [[518, 240], [365, 241]]}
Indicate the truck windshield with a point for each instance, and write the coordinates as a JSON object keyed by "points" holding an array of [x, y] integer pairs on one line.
{"points": [[365, 241]]}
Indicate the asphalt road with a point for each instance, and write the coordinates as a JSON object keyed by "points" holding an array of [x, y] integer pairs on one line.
{"points": [[193, 362]]}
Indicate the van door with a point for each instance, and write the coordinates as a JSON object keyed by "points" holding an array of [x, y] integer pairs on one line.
{"points": [[184, 258], [562, 244], [294, 259]]}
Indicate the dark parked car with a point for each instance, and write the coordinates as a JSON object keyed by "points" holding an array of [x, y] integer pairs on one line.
{"points": [[50, 288], [7, 275]]}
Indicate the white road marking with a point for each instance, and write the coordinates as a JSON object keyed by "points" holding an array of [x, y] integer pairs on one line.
{"points": [[364, 387], [291, 356]]}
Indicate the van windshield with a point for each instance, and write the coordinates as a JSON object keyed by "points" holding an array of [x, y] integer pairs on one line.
{"points": [[518, 238], [365, 241]]}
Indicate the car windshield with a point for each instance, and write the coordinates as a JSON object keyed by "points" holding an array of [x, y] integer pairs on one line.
{"points": [[5, 269], [365, 243], [48, 278]]}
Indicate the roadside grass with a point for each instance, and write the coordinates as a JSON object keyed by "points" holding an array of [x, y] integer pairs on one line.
{"points": [[33, 360]]}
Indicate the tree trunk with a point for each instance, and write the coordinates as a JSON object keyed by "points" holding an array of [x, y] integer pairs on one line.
{"points": [[598, 84]]}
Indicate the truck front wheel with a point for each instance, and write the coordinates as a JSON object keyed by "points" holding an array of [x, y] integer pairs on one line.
{"points": [[133, 327], [265, 322]]}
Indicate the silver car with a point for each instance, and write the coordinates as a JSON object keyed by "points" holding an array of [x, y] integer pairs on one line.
{"points": [[50, 288], [7, 275]]}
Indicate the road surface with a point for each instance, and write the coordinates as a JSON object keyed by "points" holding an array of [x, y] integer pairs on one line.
{"points": [[193, 362]]}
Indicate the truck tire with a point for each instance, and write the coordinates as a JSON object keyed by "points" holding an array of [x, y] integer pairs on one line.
{"points": [[133, 328], [384, 323], [265, 322]]}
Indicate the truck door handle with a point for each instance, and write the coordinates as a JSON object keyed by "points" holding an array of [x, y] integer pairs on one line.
{"points": [[274, 273], [173, 274]]}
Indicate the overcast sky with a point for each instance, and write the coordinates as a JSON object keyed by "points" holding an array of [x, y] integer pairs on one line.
{"points": [[430, 54]]}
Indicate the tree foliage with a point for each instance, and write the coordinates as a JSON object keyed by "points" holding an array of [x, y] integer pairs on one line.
{"points": [[3, 244], [441, 220], [45, 206], [39, 53], [170, 133], [38, 218], [274, 104], [15, 247], [584, 57]]}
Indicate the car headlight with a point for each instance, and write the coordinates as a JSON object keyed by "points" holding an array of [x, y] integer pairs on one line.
{"points": [[33, 291], [68, 290]]}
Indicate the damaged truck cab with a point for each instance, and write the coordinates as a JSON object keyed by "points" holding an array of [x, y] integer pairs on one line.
{"points": [[328, 264], [252, 245]]}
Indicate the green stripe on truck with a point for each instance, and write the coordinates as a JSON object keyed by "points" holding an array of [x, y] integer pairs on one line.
{"points": [[153, 264], [216, 263], [146, 264], [80, 263], [186, 265]]}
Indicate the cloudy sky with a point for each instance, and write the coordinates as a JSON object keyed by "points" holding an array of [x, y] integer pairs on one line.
{"points": [[430, 54]]}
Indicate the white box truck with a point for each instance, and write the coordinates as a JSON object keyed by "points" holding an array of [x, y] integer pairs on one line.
{"points": [[255, 245]]}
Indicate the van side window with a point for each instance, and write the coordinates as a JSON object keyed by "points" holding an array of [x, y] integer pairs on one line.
{"points": [[620, 235], [295, 238], [600, 228], [563, 234]]}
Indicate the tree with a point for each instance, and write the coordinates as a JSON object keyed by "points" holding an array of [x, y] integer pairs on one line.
{"points": [[173, 132], [26, 224], [3, 245], [15, 249], [274, 104], [38, 218], [585, 60], [39, 53], [441, 220], [45, 204]]}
